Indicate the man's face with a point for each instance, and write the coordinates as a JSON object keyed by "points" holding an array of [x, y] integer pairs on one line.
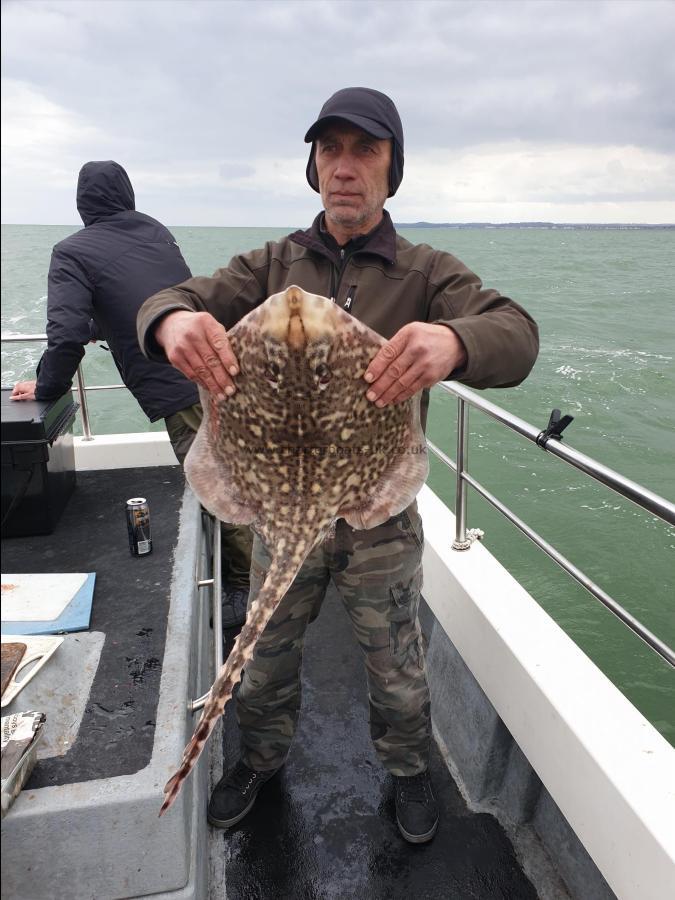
{"points": [[353, 170]]}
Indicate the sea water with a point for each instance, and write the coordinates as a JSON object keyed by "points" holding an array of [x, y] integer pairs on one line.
{"points": [[604, 300]]}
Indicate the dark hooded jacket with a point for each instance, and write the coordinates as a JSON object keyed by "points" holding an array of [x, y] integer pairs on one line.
{"points": [[104, 273]]}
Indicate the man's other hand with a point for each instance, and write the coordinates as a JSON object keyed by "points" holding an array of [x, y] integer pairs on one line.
{"points": [[197, 345], [23, 390], [418, 356]]}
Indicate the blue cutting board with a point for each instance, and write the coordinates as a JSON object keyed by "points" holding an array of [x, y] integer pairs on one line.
{"points": [[75, 616]]}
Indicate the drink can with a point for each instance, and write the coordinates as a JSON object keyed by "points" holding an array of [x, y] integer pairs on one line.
{"points": [[138, 526]]}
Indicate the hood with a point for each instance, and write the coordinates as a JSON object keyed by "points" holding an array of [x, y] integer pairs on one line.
{"points": [[103, 188]]}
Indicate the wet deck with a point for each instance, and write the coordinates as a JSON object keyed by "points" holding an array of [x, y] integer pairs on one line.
{"points": [[130, 607], [324, 827]]}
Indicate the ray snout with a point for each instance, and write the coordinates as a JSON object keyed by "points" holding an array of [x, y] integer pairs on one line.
{"points": [[299, 318]]}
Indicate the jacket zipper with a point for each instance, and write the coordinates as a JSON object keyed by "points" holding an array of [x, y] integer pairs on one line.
{"points": [[336, 280]]}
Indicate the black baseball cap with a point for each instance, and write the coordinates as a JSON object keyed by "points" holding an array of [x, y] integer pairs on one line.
{"points": [[370, 110]]}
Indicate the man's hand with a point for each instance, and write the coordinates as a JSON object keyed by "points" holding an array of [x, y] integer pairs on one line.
{"points": [[23, 390], [416, 357], [197, 345]]}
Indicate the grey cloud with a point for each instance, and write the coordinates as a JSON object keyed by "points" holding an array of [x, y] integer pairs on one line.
{"points": [[629, 196], [238, 76], [174, 82], [232, 171]]}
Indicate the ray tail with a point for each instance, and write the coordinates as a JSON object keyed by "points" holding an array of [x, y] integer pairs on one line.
{"points": [[277, 582]]}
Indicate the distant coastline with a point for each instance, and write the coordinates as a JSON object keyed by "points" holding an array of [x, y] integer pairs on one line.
{"points": [[584, 226], [551, 225]]}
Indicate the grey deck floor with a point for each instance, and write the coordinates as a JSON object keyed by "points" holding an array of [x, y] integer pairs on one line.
{"points": [[130, 607], [324, 828]]}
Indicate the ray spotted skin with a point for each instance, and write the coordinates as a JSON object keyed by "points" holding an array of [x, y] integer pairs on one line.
{"points": [[295, 448]]}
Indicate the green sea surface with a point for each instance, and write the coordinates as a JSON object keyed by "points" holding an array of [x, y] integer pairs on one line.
{"points": [[605, 303]]}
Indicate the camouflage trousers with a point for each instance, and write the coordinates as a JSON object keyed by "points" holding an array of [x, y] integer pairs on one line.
{"points": [[378, 574]]}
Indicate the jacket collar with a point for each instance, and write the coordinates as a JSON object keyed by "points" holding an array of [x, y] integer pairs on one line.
{"points": [[381, 241]]}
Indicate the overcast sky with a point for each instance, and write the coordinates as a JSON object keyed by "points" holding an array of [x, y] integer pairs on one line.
{"points": [[512, 111]]}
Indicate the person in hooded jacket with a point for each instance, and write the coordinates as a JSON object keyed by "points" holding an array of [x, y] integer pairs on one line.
{"points": [[98, 279]]}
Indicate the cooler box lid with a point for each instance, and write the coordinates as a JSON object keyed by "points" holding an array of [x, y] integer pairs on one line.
{"points": [[35, 420]]}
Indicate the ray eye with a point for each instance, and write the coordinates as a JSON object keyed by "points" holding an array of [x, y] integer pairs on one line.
{"points": [[272, 371], [323, 373]]}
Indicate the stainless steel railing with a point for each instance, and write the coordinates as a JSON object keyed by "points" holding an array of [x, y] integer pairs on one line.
{"points": [[211, 536], [466, 398], [639, 495], [210, 527], [80, 387]]}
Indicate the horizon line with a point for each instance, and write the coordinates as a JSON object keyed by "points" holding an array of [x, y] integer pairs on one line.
{"points": [[422, 223]]}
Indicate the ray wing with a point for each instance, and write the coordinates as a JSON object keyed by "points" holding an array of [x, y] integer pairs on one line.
{"points": [[295, 448]]}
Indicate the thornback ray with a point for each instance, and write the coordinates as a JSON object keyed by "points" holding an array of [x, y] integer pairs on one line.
{"points": [[297, 447]]}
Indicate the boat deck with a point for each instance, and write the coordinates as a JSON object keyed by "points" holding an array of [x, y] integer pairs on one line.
{"points": [[130, 608], [322, 829]]}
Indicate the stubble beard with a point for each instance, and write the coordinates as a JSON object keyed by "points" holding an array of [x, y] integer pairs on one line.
{"points": [[353, 219]]}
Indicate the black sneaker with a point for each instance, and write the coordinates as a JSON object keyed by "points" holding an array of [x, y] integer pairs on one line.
{"points": [[234, 795], [416, 807], [235, 601]]}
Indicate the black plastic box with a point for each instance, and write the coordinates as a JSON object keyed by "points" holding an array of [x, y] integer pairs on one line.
{"points": [[38, 463]]}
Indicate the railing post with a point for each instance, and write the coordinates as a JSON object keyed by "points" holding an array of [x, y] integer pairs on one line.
{"points": [[212, 530], [216, 597], [84, 409], [460, 542]]}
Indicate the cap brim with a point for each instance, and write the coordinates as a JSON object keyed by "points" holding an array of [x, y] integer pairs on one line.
{"points": [[370, 126]]}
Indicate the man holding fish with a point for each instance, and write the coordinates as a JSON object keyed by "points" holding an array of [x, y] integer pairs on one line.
{"points": [[439, 323]]}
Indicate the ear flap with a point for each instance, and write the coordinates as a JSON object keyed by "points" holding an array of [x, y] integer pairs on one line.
{"points": [[310, 171], [395, 168]]}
